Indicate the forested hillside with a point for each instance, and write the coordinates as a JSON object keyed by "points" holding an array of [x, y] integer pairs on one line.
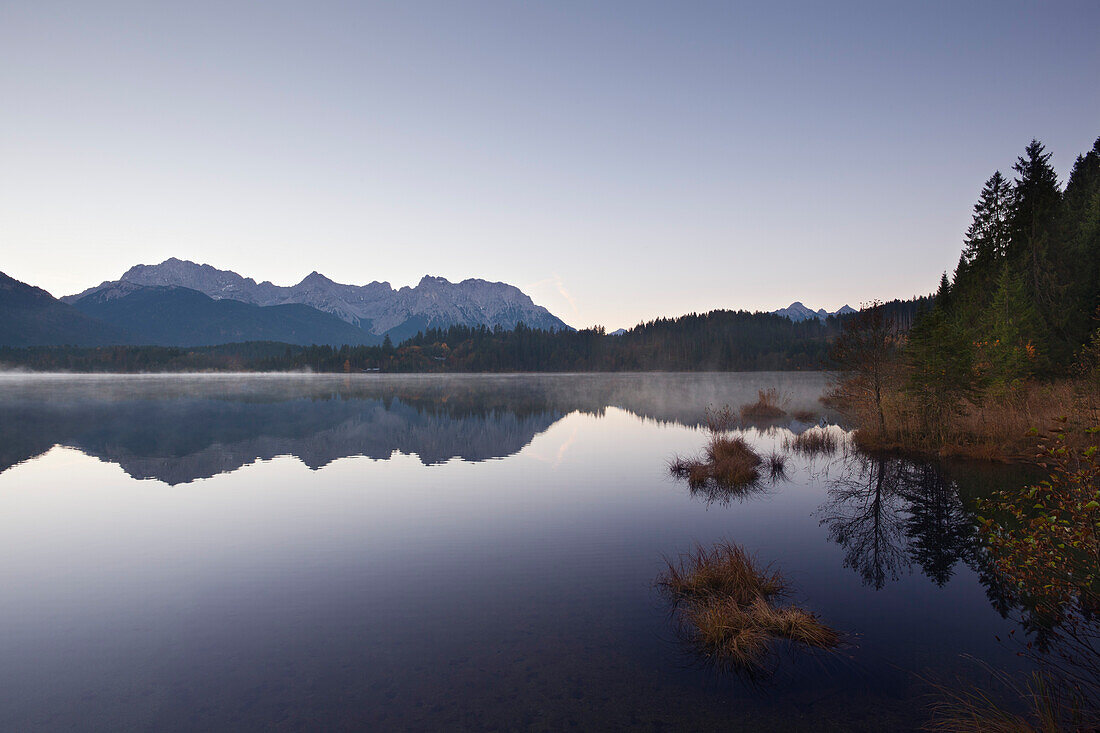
{"points": [[1023, 299], [715, 341], [1011, 341]]}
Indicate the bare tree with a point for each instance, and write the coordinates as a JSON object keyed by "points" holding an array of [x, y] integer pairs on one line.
{"points": [[866, 353]]}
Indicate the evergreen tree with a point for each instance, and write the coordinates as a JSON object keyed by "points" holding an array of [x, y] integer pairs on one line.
{"points": [[1080, 231], [1033, 249], [941, 359], [986, 240], [1008, 352]]}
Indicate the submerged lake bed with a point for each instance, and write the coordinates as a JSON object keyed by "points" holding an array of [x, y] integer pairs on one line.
{"points": [[227, 552]]}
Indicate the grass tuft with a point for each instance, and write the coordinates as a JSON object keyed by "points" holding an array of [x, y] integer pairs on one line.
{"points": [[724, 600], [725, 569], [1047, 707], [727, 462], [768, 406]]}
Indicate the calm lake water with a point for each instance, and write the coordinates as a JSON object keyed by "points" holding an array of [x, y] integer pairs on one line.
{"points": [[447, 553]]}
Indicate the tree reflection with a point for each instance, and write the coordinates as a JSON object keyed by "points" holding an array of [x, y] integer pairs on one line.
{"points": [[865, 515], [940, 529], [890, 513]]}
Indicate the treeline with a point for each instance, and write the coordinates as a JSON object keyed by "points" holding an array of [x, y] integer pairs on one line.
{"points": [[1023, 299], [719, 340], [250, 356], [714, 341]]}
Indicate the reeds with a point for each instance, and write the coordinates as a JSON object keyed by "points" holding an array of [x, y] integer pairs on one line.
{"points": [[768, 406], [993, 428], [1047, 707], [727, 461], [723, 599], [813, 442]]}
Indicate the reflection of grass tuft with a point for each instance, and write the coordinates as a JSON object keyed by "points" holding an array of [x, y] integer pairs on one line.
{"points": [[813, 442], [776, 463]]}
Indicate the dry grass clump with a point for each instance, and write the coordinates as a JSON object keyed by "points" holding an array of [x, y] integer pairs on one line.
{"points": [[768, 406], [741, 634], [731, 460], [1047, 707], [727, 461], [720, 419], [726, 631], [813, 442], [725, 570], [722, 596]]}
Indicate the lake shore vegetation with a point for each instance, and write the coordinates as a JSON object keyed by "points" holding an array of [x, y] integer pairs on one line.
{"points": [[1011, 340]]}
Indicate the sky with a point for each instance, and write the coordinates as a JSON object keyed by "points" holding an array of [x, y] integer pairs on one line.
{"points": [[618, 161]]}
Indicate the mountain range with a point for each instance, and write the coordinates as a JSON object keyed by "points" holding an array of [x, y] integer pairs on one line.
{"points": [[798, 312], [375, 308], [181, 303]]}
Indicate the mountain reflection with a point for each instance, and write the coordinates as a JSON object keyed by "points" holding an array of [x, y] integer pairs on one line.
{"points": [[178, 429]]}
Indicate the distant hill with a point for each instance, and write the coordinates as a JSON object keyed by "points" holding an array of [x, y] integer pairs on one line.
{"points": [[30, 316], [375, 307], [798, 312], [176, 316]]}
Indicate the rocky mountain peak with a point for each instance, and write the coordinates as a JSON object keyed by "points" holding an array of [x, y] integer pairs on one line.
{"points": [[376, 307], [797, 311]]}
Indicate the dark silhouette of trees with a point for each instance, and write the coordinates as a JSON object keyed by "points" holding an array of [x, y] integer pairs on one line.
{"points": [[715, 341], [940, 529], [1027, 287], [987, 238]]}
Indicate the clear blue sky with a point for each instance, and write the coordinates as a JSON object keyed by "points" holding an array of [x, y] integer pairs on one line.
{"points": [[618, 160]]}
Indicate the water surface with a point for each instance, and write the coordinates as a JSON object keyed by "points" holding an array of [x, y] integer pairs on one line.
{"points": [[478, 552]]}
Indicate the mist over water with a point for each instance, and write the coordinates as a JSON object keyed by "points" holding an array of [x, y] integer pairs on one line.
{"points": [[234, 552]]}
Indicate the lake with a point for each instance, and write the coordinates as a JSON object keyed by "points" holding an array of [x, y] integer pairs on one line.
{"points": [[300, 552]]}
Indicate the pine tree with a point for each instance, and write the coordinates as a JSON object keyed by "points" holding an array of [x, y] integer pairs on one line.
{"points": [[1009, 351], [986, 240], [1035, 205], [941, 357], [1033, 249], [1080, 231]]}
